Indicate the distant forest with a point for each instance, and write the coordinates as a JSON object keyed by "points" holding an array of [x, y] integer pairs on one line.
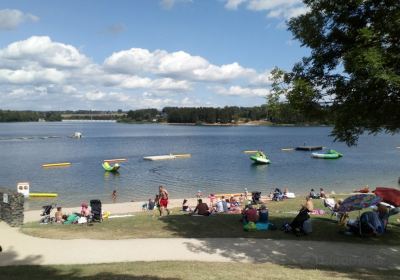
{"points": [[28, 116], [281, 113]]}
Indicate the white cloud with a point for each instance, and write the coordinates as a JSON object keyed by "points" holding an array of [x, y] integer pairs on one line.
{"points": [[242, 91], [281, 9], [95, 95], [262, 79], [38, 73], [179, 65], [168, 4], [233, 4], [31, 76], [43, 50], [10, 19]]}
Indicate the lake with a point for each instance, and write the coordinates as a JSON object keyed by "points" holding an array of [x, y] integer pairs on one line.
{"points": [[217, 165]]}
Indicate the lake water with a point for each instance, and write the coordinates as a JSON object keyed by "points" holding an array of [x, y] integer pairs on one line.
{"points": [[217, 165]]}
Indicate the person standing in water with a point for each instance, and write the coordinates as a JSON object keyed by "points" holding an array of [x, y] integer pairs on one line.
{"points": [[163, 195]]}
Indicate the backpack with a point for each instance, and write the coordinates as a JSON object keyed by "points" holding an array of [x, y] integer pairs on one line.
{"points": [[250, 226]]}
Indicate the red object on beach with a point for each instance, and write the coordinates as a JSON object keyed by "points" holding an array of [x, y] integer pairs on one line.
{"points": [[388, 195]]}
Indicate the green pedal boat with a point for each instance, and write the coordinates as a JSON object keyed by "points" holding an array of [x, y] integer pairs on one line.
{"points": [[110, 168], [260, 158], [330, 154]]}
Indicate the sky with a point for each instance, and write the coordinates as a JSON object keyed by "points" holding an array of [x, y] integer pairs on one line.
{"points": [[131, 54]]}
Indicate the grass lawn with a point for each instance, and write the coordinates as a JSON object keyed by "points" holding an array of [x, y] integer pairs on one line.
{"points": [[188, 270], [147, 225]]}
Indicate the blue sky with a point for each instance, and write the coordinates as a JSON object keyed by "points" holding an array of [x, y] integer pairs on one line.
{"points": [[107, 55]]}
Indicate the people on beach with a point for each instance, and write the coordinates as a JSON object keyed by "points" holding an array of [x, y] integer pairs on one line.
{"points": [[85, 211], [157, 202], [163, 196], [263, 214], [185, 206], [303, 215], [313, 194], [246, 194], [199, 194], [224, 204], [151, 204], [114, 196], [201, 208], [277, 195], [59, 215], [241, 199], [219, 206], [250, 214], [211, 197], [322, 193]]}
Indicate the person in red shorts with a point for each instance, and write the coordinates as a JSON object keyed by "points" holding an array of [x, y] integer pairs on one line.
{"points": [[163, 195]]}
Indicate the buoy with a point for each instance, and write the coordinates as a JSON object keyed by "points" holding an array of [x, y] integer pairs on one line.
{"points": [[43, 194], [115, 160], [56, 164]]}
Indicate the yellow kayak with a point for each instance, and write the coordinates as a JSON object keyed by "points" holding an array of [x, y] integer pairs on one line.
{"points": [[43, 195]]}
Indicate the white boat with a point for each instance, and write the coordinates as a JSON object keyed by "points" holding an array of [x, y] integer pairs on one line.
{"points": [[165, 157], [162, 157]]}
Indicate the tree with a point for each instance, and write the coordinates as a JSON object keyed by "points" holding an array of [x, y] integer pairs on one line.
{"points": [[354, 64]]}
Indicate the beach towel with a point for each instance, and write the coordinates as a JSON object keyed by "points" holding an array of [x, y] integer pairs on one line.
{"points": [[262, 226], [317, 212]]}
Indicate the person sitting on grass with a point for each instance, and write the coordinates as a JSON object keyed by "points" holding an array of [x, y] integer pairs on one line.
{"points": [[322, 193], [250, 214], [201, 209], [59, 216], [263, 214], [219, 206], [224, 204], [185, 206], [302, 216]]}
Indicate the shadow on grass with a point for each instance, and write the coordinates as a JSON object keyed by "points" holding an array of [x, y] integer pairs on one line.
{"points": [[286, 248], [30, 270], [216, 226]]}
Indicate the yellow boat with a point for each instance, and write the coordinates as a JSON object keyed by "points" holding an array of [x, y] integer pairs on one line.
{"points": [[43, 194], [56, 164]]}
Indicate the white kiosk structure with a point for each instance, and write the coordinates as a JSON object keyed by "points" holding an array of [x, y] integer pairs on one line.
{"points": [[23, 187]]}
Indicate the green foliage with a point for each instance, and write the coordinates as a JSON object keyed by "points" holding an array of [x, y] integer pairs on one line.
{"points": [[292, 101], [19, 116], [354, 64], [143, 115], [213, 115]]}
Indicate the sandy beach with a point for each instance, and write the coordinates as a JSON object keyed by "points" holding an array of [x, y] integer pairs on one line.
{"points": [[113, 208]]}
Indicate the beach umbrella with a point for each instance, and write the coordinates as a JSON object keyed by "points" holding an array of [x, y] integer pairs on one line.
{"points": [[389, 195], [358, 202]]}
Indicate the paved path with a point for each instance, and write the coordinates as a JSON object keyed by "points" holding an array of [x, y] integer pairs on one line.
{"points": [[21, 249]]}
